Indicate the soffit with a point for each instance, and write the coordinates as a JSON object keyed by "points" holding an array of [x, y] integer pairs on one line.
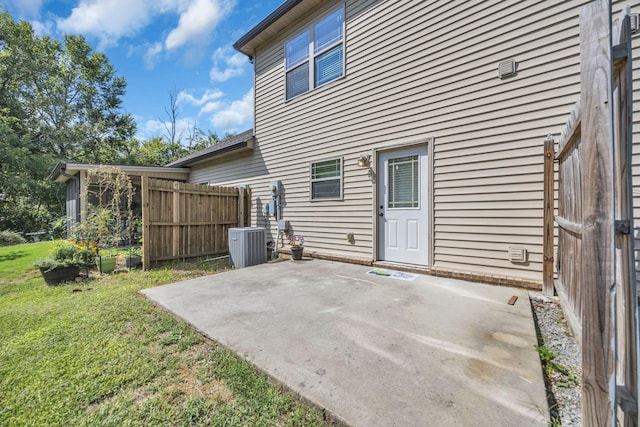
{"points": [[289, 13]]}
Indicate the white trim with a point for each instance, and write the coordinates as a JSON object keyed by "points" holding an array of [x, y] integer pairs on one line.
{"points": [[312, 55], [429, 141], [341, 177], [430, 202], [75, 167]]}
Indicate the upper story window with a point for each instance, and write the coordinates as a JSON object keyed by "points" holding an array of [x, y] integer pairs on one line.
{"points": [[315, 56]]}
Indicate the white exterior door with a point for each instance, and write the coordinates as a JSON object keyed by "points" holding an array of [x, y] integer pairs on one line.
{"points": [[402, 206]]}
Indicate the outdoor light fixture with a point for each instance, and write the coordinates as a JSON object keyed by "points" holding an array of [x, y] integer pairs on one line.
{"points": [[364, 160]]}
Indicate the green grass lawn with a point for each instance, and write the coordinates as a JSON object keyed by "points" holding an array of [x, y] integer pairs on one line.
{"points": [[99, 353]]}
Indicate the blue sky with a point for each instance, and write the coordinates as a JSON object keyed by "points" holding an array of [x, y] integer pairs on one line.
{"points": [[160, 46]]}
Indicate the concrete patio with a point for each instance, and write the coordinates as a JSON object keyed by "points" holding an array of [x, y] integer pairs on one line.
{"points": [[375, 350]]}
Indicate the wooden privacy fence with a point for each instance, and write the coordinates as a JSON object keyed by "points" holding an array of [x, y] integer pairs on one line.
{"points": [[594, 261], [187, 220]]}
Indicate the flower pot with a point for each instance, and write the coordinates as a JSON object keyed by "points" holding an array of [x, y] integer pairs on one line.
{"points": [[296, 253], [59, 274], [106, 264], [133, 262]]}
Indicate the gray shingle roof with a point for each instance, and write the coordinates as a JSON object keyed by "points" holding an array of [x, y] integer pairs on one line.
{"points": [[227, 145]]}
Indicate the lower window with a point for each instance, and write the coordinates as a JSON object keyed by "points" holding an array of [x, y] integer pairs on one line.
{"points": [[326, 180]]}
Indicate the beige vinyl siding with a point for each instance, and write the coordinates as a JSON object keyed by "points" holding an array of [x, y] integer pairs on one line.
{"points": [[416, 70], [635, 160], [324, 224]]}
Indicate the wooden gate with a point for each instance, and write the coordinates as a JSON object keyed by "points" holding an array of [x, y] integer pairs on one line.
{"points": [[596, 274], [569, 219], [187, 220]]}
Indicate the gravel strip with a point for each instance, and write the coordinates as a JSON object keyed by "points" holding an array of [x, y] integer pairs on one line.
{"points": [[563, 367]]}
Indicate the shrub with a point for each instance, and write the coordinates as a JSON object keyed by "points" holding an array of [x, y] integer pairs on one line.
{"points": [[10, 238], [66, 253], [59, 228]]}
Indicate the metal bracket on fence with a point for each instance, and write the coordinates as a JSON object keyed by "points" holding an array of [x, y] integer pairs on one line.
{"points": [[622, 227]]}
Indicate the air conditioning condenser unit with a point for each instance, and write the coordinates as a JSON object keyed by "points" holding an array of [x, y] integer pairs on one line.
{"points": [[247, 246]]}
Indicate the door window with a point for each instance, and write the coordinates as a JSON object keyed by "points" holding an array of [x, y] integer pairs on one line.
{"points": [[404, 181]]}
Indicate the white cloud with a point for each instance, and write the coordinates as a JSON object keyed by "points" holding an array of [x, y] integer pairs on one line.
{"points": [[197, 22], [151, 55], [152, 128], [109, 20], [42, 28], [223, 116], [28, 8], [211, 107], [237, 116], [186, 97], [227, 64]]}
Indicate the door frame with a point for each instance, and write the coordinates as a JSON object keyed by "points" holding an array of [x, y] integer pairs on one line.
{"points": [[429, 141]]}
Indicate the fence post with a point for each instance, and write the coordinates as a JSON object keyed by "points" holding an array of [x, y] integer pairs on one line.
{"points": [[597, 263], [547, 241], [241, 204], [146, 250], [175, 241], [247, 208]]}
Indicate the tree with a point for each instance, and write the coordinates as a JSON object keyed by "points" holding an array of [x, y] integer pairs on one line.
{"points": [[157, 152], [59, 100], [172, 112], [67, 97], [27, 200]]}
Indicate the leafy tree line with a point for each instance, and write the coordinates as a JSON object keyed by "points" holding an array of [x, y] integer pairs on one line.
{"points": [[61, 101]]}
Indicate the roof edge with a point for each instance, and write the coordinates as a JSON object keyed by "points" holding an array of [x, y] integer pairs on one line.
{"points": [[264, 24], [60, 170], [236, 143], [57, 171]]}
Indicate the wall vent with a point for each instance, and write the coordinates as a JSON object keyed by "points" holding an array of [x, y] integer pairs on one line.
{"points": [[518, 254], [507, 68], [247, 246], [635, 23]]}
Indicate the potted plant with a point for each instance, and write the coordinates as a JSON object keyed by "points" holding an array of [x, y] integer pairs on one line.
{"points": [[133, 257], [64, 262], [296, 243], [270, 246], [106, 262], [100, 225]]}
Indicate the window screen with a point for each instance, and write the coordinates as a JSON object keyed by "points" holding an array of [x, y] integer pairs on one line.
{"points": [[326, 179], [329, 66], [403, 182], [297, 50], [298, 80], [308, 68], [328, 31]]}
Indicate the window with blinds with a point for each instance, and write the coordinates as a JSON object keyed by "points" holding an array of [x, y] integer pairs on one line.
{"points": [[403, 182], [326, 180], [315, 56]]}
